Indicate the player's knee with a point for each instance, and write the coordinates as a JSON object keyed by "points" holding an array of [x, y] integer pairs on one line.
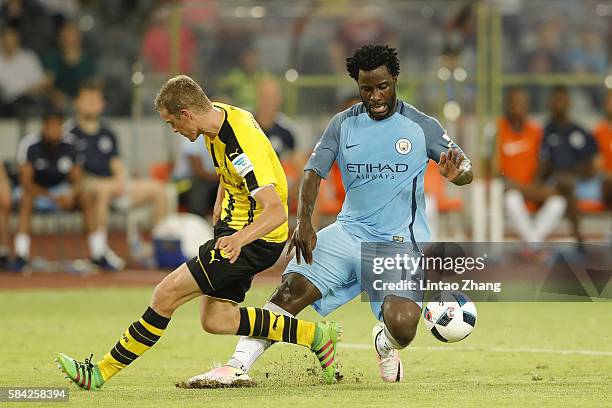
{"points": [[402, 324], [294, 293], [165, 295], [208, 325]]}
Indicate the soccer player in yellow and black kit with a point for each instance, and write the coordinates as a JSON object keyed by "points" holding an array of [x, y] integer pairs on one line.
{"points": [[250, 233]]}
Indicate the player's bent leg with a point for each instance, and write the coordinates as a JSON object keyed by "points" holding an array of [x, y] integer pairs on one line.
{"points": [[223, 317], [173, 291], [401, 317], [293, 295]]}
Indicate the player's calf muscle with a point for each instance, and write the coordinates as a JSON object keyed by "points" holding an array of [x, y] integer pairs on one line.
{"points": [[295, 293], [401, 319]]}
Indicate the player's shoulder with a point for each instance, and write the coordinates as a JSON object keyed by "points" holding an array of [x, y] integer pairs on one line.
{"points": [[428, 123]]}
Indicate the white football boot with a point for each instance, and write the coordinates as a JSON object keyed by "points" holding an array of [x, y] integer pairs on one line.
{"points": [[221, 377], [391, 368]]}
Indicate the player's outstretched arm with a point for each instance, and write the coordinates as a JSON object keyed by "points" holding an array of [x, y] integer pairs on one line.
{"points": [[455, 167], [304, 237]]}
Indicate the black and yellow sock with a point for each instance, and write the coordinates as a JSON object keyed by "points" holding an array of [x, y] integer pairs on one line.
{"points": [[137, 339], [256, 322]]}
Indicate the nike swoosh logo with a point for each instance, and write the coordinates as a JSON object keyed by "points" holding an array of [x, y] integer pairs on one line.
{"points": [[514, 148], [350, 146]]}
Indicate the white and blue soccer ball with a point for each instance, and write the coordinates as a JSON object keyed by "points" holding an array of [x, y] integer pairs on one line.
{"points": [[450, 316]]}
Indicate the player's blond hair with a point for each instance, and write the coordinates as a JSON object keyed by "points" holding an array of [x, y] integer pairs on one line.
{"points": [[182, 92]]}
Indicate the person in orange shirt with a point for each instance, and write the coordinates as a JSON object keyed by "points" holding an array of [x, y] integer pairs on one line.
{"points": [[603, 136], [516, 160]]}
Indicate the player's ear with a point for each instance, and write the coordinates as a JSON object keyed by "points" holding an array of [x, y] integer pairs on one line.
{"points": [[185, 114]]}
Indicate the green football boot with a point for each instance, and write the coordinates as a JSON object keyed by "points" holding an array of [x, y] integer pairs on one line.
{"points": [[85, 375], [327, 334]]}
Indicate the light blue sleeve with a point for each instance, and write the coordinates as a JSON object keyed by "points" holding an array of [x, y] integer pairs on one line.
{"points": [[437, 140], [326, 149]]}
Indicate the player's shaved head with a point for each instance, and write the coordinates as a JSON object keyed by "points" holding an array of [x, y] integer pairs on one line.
{"points": [[182, 92]]}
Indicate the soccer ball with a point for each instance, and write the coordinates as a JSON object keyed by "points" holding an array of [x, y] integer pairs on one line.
{"points": [[450, 316]]}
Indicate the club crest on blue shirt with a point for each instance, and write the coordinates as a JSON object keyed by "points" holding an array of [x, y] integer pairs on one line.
{"points": [[403, 146]]}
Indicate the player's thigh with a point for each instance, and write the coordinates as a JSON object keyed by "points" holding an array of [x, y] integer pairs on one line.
{"points": [[332, 260], [175, 289]]}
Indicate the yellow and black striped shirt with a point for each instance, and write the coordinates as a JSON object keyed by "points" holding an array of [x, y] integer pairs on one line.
{"points": [[245, 161]]}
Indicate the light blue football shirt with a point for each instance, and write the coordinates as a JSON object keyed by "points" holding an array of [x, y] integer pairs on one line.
{"points": [[383, 165]]}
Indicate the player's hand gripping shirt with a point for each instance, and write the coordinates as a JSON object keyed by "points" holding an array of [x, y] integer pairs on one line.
{"points": [[245, 161], [382, 165]]}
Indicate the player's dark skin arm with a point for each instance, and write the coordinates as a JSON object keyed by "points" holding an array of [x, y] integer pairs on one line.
{"points": [[296, 292], [304, 237]]}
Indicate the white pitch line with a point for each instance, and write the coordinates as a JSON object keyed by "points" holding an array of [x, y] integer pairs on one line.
{"points": [[492, 349]]}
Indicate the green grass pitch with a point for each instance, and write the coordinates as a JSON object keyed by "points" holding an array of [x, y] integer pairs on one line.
{"points": [[519, 355]]}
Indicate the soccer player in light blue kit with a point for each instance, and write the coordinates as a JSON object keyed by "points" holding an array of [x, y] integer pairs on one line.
{"points": [[382, 146]]}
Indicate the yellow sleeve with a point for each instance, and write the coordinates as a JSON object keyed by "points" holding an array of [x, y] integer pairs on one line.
{"points": [[252, 162]]}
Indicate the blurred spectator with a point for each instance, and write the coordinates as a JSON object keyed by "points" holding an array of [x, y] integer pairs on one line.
{"points": [[280, 130], [240, 83], [21, 76], [5, 208], [196, 178], [278, 127], [68, 66], [568, 159], [516, 160], [157, 45], [50, 179], [603, 135], [31, 21], [547, 57], [105, 174], [364, 25], [589, 57]]}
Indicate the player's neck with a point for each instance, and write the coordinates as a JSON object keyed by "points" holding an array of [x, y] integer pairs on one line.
{"points": [[89, 126], [265, 120], [210, 123]]}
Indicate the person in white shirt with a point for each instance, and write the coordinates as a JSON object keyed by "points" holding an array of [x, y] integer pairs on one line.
{"points": [[21, 75]]}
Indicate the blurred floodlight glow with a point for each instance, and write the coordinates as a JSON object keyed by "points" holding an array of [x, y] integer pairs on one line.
{"points": [[444, 73], [137, 78], [427, 12], [291, 75], [460, 74], [608, 81], [241, 12], [86, 22], [452, 111], [258, 12]]}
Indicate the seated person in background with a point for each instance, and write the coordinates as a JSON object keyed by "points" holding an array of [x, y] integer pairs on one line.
{"points": [[280, 130], [516, 160], [603, 163], [50, 178], [197, 181], [105, 174], [21, 75], [567, 156], [68, 66], [5, 208]]}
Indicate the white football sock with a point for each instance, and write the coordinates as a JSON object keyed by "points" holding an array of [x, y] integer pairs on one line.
{"points": [[22, 245], [548, 217], [519, 216], [97, 243], [249, 349], [385, 343]]}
